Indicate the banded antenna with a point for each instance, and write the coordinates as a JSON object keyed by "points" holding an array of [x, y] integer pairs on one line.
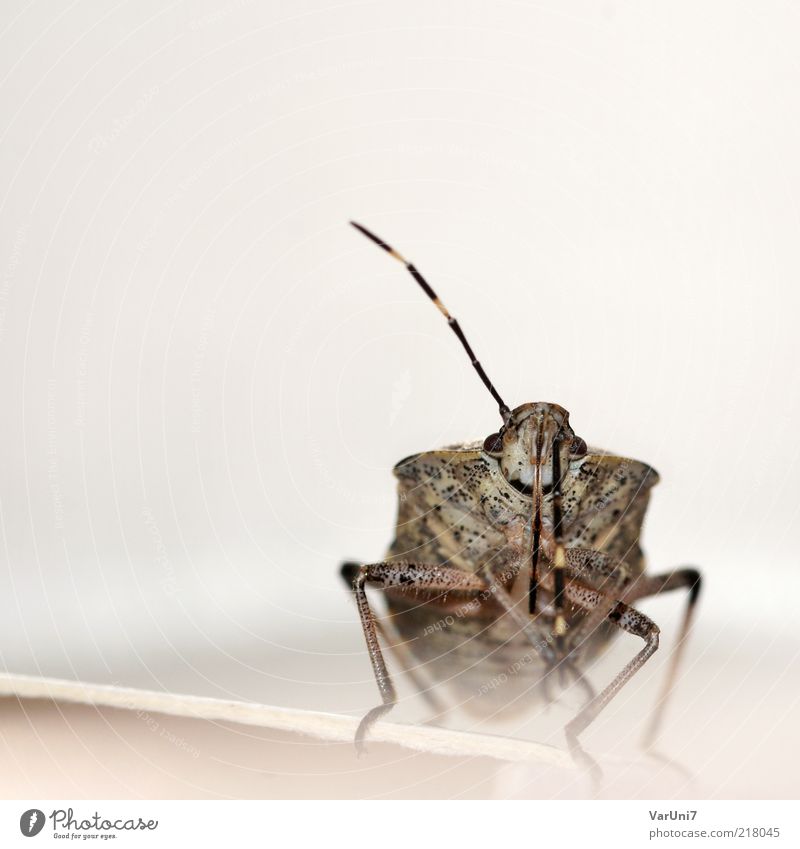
{"points": [[454, 325]]}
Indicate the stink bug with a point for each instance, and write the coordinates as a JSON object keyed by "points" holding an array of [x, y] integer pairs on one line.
{"points": [[524, 544]]}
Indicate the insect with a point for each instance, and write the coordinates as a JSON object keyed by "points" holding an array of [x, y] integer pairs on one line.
{"points": [[523, 545]]}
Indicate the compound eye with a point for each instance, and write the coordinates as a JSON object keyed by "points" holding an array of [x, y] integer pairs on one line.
{"points": [[578, 447], [493, 444]]}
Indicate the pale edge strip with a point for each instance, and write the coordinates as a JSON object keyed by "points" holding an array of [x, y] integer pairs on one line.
{"points": [[323, 726]]}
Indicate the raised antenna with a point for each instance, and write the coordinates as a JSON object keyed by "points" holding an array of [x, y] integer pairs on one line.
{"points": [[454, 325]]}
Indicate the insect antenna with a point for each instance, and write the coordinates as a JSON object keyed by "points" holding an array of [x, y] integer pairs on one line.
{"points": [[559, 561], [454, 325]]}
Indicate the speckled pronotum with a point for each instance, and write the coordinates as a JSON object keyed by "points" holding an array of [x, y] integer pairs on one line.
{"points": [[518, 552]]}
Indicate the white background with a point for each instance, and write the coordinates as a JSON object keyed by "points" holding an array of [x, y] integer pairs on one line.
{"points": [[205, 825], [207, 376], [201, 824]]}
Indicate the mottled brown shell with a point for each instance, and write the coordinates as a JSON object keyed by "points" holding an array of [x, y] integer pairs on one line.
{"points": [[456, 508]]}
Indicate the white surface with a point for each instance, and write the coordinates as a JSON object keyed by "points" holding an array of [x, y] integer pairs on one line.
{"points": [[322, 726], [207, 376]]}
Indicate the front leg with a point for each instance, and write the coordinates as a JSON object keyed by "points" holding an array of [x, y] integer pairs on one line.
{"points": [[402, 575], [627, 619], [400, 648]]}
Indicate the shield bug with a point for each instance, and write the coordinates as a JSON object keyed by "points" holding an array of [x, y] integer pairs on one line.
{"points": [[520, 550]]}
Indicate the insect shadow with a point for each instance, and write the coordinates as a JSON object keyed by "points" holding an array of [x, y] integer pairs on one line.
{"points": [[523, 549]]}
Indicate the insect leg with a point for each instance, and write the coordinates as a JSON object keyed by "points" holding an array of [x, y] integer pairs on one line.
{"points": [[497, 590], [596, 570], [685, 578], [349, 571], [399, 575], [629, 620]]}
